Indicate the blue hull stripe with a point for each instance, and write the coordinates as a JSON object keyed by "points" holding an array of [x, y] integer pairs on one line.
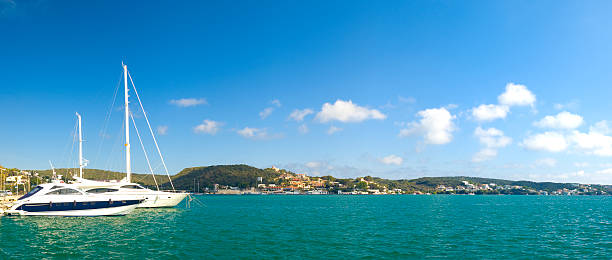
{"points": [[65, 206]]}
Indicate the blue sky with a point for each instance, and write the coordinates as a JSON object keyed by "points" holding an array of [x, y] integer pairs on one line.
{"points": [[396, 89]]}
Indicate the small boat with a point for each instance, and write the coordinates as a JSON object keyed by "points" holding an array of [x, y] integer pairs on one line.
{"points": [[60, 199]]}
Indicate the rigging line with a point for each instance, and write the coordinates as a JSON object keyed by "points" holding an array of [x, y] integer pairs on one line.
{"points": [[70, 161], [65, 152], [144, 151], [151, 130], [107, 118], [118, 140], [158, 166]]}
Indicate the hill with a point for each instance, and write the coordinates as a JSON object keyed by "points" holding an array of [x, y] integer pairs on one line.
{"points": [[242, 176], [429, 184], [433, 182]]}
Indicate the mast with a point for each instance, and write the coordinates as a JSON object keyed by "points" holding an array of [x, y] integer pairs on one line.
{"points": [[53, 168], [80, 147], [128, 167]]}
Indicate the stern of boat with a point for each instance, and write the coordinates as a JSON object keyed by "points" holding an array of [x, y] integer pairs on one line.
{"points": [[164, 200]]}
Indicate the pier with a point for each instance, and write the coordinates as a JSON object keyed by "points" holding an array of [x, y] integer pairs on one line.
{"points": [[6, 202]]}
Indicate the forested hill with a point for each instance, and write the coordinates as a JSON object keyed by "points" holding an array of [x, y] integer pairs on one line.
{"points": [[432, 182], [242, 176]]}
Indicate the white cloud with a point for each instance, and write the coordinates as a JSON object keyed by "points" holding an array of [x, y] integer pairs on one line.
{"points": [[492, 139], [346, 111], [313, 164], [484, 155], [592, 143], [581, 164], [436, 125], [409, 100], [490, 112], [604, 171], [253, 133], [276, 103], [546, 162], [576, 174], [601, 127], [188, 102], [392, 160], [603, 176], [303, 129], [298, 115], [8, 8], [451, 106], [162, 130], [266, 112], [572, 105], [595, 142], [516, 95], [387, 106], [548, 141], [332, 130], [563, 120], [208, 127]]}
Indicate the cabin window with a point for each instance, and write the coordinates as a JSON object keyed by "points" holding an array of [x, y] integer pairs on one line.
{"points": [[64, 191], [32, 192], [101, 190], [131, 187]]}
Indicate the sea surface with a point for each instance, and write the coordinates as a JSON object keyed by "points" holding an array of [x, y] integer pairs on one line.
{"points": [[322, 227]]}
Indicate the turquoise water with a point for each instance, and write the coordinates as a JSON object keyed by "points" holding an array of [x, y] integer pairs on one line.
{"points": [[328, 226]]}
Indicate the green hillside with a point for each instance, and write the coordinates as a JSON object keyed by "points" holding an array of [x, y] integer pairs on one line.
{"points": [[242, 176], [454, 181]]}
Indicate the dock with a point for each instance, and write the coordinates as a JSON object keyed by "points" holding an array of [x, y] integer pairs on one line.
{"points": [[6, 202]]}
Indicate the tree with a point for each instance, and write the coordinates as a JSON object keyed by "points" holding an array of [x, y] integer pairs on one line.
{"points": [[329, 178], [362, 185]]}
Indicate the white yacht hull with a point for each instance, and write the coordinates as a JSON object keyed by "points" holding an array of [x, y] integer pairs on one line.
{"points": [[114, 211], [162, 200], [65, 200]]}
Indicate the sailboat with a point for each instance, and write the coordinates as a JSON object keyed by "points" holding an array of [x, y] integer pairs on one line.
{"points": [[125, 187]]}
